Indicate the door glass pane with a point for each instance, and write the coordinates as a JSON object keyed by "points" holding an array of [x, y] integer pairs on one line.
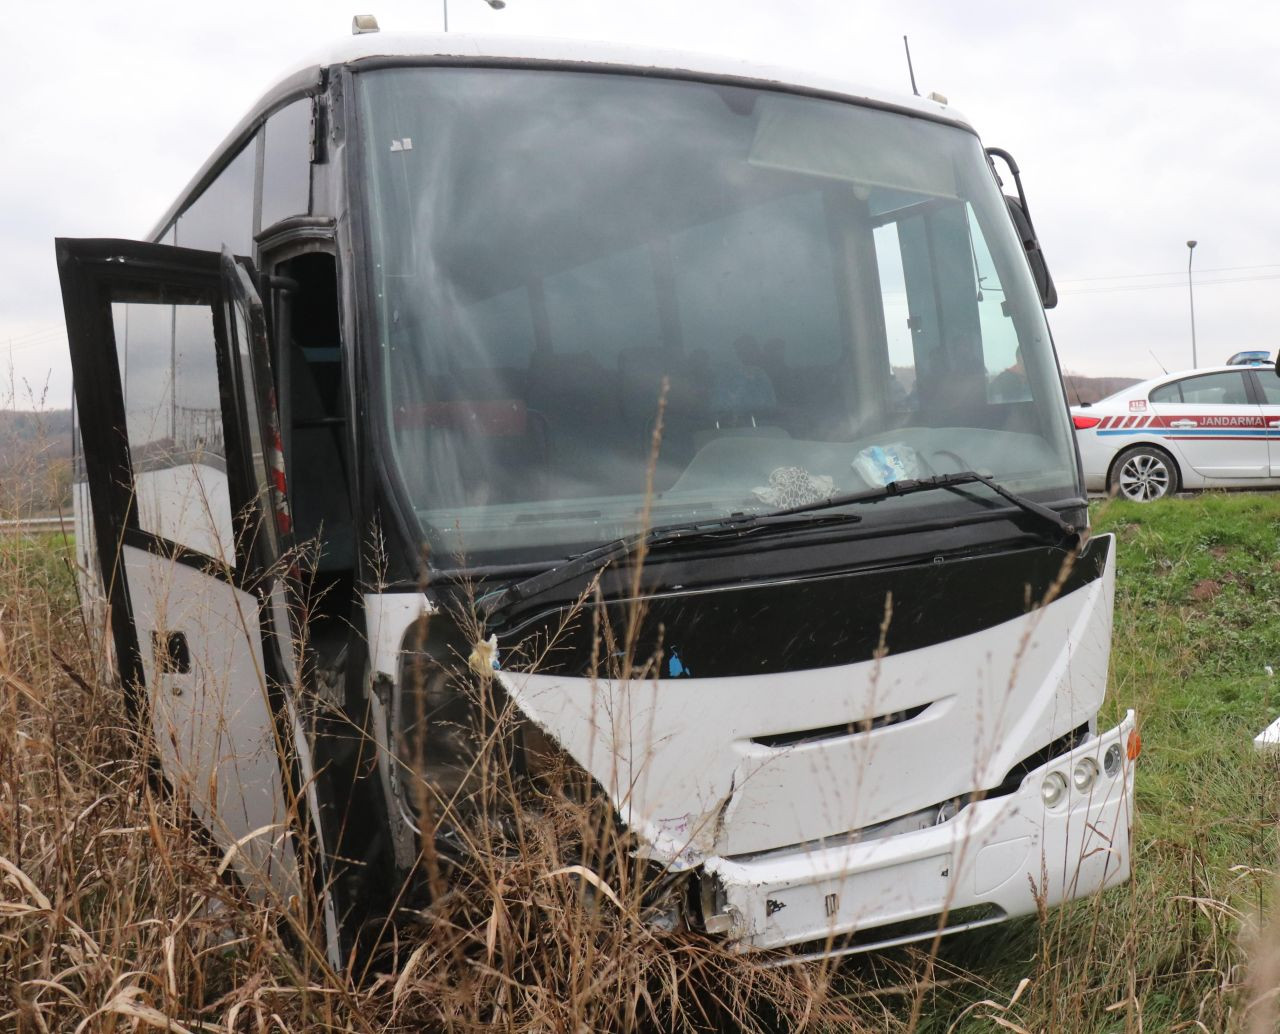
{"points": [[1215, 389], [173, 419], [1270, 387], [260, 468]]}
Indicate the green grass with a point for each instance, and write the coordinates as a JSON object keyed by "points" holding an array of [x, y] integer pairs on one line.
{"points": [[1197, 620]]}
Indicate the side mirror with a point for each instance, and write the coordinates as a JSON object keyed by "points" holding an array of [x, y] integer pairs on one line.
{"points": [[1039, 268], [1021, 216]]}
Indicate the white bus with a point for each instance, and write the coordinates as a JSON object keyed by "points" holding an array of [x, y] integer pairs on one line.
{"points": [[562, 335]]}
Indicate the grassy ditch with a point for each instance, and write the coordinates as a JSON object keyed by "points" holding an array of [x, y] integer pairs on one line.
{"points": [[113, 916], [1197, 624]]}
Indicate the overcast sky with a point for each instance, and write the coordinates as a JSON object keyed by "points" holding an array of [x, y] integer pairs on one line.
{"points": [[1137, 126]]}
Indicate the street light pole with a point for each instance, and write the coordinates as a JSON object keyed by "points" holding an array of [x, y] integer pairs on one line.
{"points": [[497, 5], [1191, 295]]}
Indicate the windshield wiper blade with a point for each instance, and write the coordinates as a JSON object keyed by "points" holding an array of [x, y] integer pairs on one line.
{"points": [[750, 524], [692, 532], [958, 479]]}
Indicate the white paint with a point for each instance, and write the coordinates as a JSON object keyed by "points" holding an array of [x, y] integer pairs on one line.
{"points": [[1000, 852], [677, 759], [530, 48], [1269, 738], [388, 616], [212, 726]]}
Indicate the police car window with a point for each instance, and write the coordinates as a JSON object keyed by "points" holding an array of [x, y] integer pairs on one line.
{"points": [[1215, 389], [1270, 384]]}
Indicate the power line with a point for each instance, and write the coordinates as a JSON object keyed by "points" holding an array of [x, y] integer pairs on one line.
{"points": [[52, 328], [1175, 272], [1159, 287], [49, 337]]}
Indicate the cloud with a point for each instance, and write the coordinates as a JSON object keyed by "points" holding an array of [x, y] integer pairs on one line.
{"points": [[1137, 126]]}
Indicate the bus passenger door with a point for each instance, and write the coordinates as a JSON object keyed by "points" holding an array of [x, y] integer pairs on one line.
{"points": [[169, 355]]}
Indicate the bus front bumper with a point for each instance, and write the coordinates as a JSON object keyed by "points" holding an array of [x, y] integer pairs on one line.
{"points": [[996, 858]]}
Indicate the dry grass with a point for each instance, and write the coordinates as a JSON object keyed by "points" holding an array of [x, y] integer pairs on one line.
{"points": [[115, 914]]}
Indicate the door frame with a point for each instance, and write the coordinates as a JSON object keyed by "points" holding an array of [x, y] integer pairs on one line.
{"points": [[93, 272]]}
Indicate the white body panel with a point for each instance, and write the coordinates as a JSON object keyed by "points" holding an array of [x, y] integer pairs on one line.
{"points": [[779, 827], [1004, 852], [678, 758], [212, 725]]}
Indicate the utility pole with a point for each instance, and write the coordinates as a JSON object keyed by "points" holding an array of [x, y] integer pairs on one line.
{"points": [[1191, 295], [497, 5]]}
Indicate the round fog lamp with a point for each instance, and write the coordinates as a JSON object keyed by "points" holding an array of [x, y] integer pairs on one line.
{"points": [[1111, 761], [1054, 789], [1084, 774]]}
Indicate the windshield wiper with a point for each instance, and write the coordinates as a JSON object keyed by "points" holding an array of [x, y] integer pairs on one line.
{"points": [[740, 524], [693, 532], [1042, 513]]}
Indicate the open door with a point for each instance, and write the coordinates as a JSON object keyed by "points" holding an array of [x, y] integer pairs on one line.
{"points": [[170, 363]]}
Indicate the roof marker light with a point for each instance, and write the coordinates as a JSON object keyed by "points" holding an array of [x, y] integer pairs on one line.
{"points": [[362, 23]]}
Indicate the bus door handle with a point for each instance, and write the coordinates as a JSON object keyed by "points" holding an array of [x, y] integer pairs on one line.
{"points": [[172, 654]]}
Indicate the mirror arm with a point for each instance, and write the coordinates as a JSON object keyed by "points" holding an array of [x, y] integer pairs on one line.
{"points": [[1007, 158]]}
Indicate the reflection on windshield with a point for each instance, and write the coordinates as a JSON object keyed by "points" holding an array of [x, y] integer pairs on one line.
{"points": [[810, 296]]}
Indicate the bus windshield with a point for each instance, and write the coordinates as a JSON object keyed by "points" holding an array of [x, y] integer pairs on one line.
{"points": [[596, 293]]}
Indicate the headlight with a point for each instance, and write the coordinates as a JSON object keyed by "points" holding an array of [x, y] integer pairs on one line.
{"points": [[1084, 775], [1111, 761], [1053, 790]]}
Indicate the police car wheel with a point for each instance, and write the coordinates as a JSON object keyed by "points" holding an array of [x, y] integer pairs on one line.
{"points": [[1143, 474]]}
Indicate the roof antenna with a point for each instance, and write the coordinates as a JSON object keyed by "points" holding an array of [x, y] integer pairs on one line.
{"points": [[911, 71], [1158, 362]]}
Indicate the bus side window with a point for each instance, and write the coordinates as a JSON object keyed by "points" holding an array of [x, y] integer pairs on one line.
{"points": [[286, 167], [223, 213]]}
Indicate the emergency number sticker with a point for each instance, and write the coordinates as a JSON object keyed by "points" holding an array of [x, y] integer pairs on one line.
{"points": [[1138, 406]]}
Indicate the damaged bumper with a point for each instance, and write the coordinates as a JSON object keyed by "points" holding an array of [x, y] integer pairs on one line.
{"points": [[995, 859]]}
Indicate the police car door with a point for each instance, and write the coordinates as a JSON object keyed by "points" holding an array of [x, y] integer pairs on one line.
{"points": [[1215, 423], [169, 356]]}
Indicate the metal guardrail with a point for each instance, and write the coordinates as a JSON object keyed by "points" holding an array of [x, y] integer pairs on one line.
{"points": [[29, 525]]}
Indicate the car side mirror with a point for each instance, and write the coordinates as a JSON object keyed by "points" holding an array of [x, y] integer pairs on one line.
{"points": [[1031, 245], [1021, 216]]}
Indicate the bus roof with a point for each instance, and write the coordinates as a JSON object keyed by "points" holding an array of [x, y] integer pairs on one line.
{"points": [[381, 49]]}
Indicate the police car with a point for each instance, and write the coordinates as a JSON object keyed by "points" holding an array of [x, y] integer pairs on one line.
{"points": [[1208, 428]]}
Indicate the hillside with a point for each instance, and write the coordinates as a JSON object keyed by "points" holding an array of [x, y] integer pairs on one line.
{"points": [[1092, 389], [35, 460]]}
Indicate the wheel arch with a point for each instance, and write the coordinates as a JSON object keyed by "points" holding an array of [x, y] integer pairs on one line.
{"points": [[1148, 444]]}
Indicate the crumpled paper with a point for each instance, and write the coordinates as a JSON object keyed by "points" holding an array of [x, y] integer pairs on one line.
{"points": [[794, 486]]}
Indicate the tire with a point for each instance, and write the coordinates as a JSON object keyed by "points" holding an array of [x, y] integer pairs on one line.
{"points": [[1143, 474]]}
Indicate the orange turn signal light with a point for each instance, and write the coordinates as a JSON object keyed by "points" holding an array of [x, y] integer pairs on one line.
{"points": [[1133, 746]]}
